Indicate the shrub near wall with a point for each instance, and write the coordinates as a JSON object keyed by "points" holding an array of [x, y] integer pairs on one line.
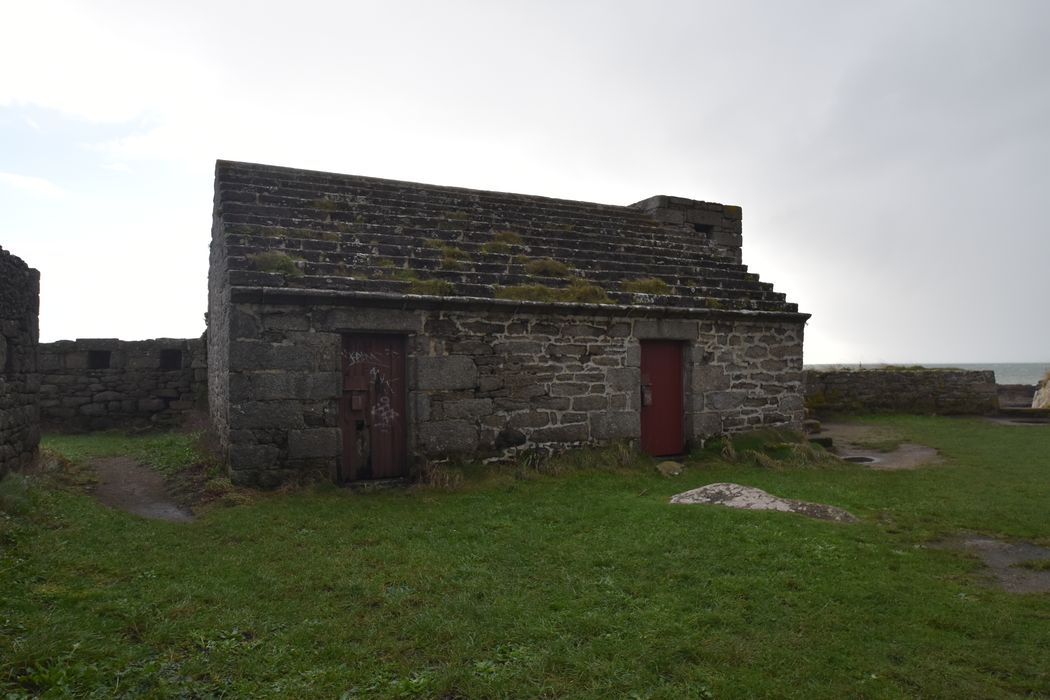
{"points": [[920, 390], [19, 305], [95, 384]]}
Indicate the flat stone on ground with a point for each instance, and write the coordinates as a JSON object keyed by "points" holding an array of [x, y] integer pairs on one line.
{"points": [[751, 498]]}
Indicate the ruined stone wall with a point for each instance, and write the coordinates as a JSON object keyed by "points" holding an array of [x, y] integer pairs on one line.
{"points": [[95, 384], [487, 382], [218, 336], [19, 332], [941, 391]]}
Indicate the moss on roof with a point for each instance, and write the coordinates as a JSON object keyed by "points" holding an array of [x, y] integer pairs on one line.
{"points": [[359, 234]]}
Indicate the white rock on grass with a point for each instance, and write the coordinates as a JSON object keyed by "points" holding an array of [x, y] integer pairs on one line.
{"points": [[750, 498], [1042, 395]]}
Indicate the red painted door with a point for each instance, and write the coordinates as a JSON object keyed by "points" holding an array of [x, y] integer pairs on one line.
{"points": [[662, 414], [372, 408]]}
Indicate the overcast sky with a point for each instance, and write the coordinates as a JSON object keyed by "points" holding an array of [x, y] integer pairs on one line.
{"points": [[892, 158]]}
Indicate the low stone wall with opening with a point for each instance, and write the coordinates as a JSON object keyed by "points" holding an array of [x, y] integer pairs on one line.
{"points": [[939, 391], [19, 331], [95, 384]]}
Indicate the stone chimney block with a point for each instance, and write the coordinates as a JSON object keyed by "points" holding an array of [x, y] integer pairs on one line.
{"points": [[718, 224]]}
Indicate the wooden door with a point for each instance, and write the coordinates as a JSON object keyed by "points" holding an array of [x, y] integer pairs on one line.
{"points": [[662, 401], [372, 408]]}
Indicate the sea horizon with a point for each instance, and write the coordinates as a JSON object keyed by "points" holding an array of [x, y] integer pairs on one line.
{"points": [[1005, 372]]}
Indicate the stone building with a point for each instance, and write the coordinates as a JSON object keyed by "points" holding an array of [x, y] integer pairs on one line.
{"points": [[358, 326], [101, 383], [19, 333]]}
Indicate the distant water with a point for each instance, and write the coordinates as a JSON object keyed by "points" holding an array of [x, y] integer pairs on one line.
{"points": [[1005, 373]]}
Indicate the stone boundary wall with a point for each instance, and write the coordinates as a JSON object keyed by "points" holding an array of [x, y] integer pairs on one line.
{"points": [[19, 333], [940, 391], [101, 383], [491, 382], [1016, 395]]}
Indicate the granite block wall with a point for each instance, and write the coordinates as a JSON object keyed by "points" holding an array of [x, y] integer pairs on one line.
{"points": [[19, 333], [939, 391], [95, 384], [718, 227], [487, 382]]}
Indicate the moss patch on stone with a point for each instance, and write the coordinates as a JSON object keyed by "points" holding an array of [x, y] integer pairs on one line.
{"points": [[578, 290], [276, 261], [527, 292], [503, 242], [506, 236], [587, 292], [453, 253], [452, 264], [402, 273], [647, 285], [547, 267], [494, 247], [325, 204], [381, 267], [437, 288]]}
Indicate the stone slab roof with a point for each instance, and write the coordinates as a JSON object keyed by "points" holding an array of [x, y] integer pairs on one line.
{"points": [[301, 231]]}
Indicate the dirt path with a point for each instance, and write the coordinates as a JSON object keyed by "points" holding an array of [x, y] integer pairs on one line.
{"points": [[127, 485], [1006, 561], [862, 440]]}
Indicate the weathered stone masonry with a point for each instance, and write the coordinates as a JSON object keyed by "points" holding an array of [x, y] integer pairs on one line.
{"points": [[19, 332], [301, 259], [95, 384], [942, 391], [497, 382]]}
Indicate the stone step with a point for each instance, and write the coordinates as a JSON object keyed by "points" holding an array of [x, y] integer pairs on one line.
{"points": [[282, 187], [249, 278], [510, 274], [626, 257], [346, 230], [357, 255], [620, 240], [1025, 415], [423, 211]]}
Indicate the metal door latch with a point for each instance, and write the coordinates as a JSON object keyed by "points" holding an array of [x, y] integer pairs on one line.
{"points": [[647, 391]]}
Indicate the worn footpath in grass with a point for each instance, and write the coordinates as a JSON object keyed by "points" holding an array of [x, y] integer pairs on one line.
{"points": [[166, 452], [585, 583]]}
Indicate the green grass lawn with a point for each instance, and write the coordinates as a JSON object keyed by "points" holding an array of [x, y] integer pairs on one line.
{"points": [[585, 583]]}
